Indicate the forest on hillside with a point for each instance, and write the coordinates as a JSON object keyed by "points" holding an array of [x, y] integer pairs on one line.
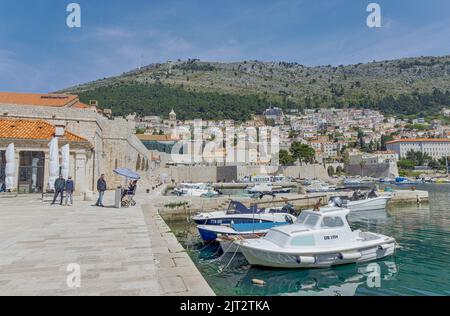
{"points": [[159, 99]]}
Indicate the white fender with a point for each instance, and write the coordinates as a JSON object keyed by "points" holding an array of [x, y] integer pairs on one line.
{"points": [[350, 255], [305, 259]]}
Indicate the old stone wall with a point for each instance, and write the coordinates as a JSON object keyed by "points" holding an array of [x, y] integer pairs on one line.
{"points": [[113, 141], [383, 170]]}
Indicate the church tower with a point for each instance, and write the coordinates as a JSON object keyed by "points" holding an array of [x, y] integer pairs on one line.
{"points": [[173, 116]]}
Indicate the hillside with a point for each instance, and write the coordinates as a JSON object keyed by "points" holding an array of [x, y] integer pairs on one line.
{"points": [[236, 90]]}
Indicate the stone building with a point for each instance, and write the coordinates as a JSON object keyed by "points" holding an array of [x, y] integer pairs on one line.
{"points": [[436, 148], [112, 141], [31, 138]]}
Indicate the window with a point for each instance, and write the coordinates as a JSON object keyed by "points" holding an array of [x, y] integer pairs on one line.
{"points": [[301, 219], [332, 222], [308, 219], [312, 220]]}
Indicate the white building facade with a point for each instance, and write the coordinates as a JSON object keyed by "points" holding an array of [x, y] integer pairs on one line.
{"points": [[435, 148]]}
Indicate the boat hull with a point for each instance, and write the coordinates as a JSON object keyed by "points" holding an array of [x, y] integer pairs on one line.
{"points": [[379, 203], [210, 233], [229, 221], [300, 260]]}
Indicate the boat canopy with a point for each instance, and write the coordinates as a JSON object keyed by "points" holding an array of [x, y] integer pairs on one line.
{"points": [[236, 207]]}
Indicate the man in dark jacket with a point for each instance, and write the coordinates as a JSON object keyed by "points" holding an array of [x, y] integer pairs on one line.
{"points": [[101, 188], [70, 187], [60, 185]]}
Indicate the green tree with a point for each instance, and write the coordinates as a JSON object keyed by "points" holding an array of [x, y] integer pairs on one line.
{"points": [[302, 152], [286, 159], [419, 158]]}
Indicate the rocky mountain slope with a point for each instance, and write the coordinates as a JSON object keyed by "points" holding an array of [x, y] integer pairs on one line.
{"points": [[218, 90]]}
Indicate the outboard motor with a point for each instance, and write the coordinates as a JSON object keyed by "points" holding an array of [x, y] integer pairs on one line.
{"points": [[336, 201], [289, 208]]}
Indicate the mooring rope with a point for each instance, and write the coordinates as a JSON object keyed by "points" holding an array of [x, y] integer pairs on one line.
{"points": [[232, 258]]}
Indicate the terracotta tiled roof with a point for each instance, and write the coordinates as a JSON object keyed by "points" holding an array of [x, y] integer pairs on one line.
{"points": [[28, 129], [80, 105], [418, 140], [52, 100]]}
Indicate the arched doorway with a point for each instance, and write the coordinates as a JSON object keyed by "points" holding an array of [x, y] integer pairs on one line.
{"points": [[31, 172]]}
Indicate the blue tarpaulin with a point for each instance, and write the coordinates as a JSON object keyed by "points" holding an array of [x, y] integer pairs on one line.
{"points": [[127, 173]]}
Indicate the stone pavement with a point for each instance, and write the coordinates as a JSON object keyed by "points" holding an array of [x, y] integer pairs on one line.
{"points": [[119, 251]]}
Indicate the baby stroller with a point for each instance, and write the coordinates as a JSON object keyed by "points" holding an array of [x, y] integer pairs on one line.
{"points": [[128, 198]]}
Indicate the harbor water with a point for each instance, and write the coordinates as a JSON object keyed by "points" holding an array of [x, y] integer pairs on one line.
{"points": [[420, 267]]}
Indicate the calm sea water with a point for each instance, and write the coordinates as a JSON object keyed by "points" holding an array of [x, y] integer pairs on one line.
{"points": [[420, 267]]}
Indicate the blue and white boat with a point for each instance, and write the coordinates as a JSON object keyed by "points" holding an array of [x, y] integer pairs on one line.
{"points": [[237, 213], [210, 233], [406, 181]]}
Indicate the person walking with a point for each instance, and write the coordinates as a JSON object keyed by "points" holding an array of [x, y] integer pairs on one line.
{"points": [[60, 185], [70, 187], [101, 188]]}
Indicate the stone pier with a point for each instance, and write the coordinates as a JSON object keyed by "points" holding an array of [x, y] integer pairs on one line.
{"points": [[119, 251]]}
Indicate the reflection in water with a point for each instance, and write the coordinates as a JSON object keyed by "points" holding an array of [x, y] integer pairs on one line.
{"points": [[420, 267]]}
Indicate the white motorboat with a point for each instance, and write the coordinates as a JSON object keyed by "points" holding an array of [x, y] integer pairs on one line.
{"points": [[261, 188], [366, 204], [316, 240], [267, 188], [238, 213], [195, 189], [352, 181], [318, 186]]}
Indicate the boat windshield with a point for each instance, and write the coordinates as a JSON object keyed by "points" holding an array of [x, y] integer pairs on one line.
{"points": [[308, 219], [239, 208], [277, 237]]}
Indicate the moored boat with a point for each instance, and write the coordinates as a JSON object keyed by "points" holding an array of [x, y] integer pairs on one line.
{"points": [[237, 213], [195, 190], [364, 204], [210, 233], [318, 186], [316, 240]]}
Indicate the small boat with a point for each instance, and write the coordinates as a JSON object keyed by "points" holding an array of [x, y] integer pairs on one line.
{"points": [[406, 181], [195, 189], [210, 233], [352, 182], [365, 204], [316, 240], [267, 188], [238, 213], [369, 204], [318, 186]]}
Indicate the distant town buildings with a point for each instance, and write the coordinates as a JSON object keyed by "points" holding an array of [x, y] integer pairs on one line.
{"points": [[275, 114], [435, 148]]}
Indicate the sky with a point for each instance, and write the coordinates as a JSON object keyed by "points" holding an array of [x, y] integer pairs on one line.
{"points": [[40, 53]]}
